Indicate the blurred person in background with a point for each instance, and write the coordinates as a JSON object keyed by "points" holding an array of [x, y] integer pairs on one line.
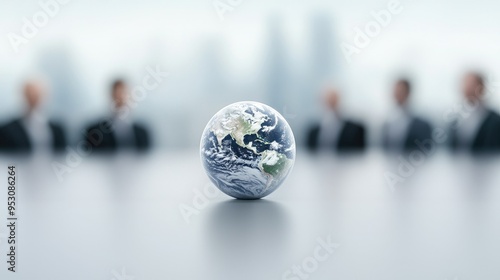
{"points": [[335, 132], [118, 131], [403, 131], [478, 130], [32, 131]]}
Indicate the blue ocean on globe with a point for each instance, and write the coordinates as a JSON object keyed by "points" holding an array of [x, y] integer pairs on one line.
{"points": [[248, 150]]}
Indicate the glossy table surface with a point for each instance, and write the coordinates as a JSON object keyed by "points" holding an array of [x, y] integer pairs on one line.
{"points": [[157, 216]]}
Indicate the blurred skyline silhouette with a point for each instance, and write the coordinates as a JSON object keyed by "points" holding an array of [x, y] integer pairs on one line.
{"points": [[282, 57]]}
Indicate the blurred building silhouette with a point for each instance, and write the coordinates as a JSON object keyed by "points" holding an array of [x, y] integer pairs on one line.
{"points": [[322, 67], [277, 66], [325, 64], [69, 99]]}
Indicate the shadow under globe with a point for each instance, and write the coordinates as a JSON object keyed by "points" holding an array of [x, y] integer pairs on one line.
{"points": [[247, 239]]}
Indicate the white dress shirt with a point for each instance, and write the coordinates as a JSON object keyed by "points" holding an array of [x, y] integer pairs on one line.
{"points": [[329, 131], [397, 127], [468, 126], [38, 130], [123, 130]]}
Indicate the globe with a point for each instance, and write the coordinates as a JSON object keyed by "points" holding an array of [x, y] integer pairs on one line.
{"points": [[247, 150]]}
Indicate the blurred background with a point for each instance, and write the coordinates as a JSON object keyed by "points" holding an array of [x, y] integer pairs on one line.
{"points": [[281, 53], [428, 216]]}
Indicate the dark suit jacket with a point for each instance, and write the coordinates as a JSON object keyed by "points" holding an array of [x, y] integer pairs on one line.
{"points": [[14, 138], [351, 137], [418, 130], [102, 137], [487, 138]]}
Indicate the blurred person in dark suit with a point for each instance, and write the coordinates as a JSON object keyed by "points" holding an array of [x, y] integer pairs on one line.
{"points": [[334, 132], [479, 129], [403, 131], [118, 131], [32, 131]]}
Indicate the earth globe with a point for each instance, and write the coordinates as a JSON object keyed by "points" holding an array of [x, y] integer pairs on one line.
{"points": [[247, 150]]}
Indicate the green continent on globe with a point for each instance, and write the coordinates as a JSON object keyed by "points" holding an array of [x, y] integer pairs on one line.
{"points": [[274, 163], [245, 124]]}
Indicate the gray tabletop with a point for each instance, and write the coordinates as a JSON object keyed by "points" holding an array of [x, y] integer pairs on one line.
{"points": [[157, 216]]}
